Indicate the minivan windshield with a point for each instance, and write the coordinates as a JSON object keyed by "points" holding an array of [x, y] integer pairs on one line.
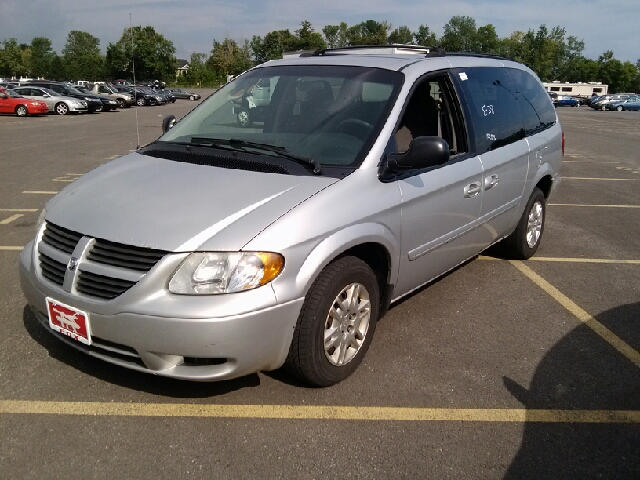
{"points": [[331, 114]]}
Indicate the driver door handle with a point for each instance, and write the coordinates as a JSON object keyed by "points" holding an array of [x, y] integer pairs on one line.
{"points": [[472, 190], [490, 182]]}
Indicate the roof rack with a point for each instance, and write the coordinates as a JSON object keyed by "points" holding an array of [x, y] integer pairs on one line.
{"points": [[428, 51]]}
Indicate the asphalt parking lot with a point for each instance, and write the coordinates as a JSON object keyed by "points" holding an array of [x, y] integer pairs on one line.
{"points": [[498, 370]]}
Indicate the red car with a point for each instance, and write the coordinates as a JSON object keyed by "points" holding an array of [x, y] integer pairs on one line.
{"points": [[11, 102]]}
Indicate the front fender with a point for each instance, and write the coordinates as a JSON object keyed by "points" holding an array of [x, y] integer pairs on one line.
{"points": [[341, 241]]}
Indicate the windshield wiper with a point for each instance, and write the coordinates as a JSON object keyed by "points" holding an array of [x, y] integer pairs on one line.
{"points": [[242, 145], [280, 151]]}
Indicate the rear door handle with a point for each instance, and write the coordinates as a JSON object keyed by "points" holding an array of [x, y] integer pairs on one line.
{"points": [[490, 182], [472, 190]]}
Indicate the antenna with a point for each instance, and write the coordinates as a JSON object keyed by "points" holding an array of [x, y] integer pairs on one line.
{"points": [[133, 67]]}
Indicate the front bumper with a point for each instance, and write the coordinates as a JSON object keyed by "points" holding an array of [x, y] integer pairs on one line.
{"points": [[77, 108], [128, 332]]}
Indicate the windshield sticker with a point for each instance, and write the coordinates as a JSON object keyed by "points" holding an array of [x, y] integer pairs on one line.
{"points": [[491, 137], [463, 76]]}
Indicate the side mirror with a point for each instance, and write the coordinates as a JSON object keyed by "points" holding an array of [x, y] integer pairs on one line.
{"points": [[424, 152], [168, 122]]}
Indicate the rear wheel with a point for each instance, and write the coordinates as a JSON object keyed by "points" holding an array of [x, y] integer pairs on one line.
{"points": [[21, 111], [62, 108], [525, 240], [336, 323]]}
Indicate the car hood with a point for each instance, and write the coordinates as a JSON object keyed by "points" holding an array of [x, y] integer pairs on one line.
{"points": [[156, 203]]}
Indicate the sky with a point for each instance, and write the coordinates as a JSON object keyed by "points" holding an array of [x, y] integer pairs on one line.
{"points": [[192, 25]]}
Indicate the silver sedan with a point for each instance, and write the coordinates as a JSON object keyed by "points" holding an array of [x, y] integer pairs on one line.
{"points": [[56, 103]]}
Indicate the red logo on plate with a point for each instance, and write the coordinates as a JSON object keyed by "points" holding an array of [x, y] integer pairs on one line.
{"points": [[68, 321]]}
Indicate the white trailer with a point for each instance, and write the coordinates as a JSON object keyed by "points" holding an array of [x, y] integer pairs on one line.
{"points": [[587, 89]]}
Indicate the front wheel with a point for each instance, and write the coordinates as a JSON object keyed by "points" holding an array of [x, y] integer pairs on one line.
{"points": [[192, 97], [21, 111], [121, 103], [525, 240], [140, 102], [336, 323], [619, 108], [62, 108]]}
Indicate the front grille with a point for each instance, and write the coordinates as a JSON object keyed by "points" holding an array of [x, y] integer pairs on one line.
{"points": [[61, 238], [101, 286], [52, 270], [118, 255], [110, 268]]}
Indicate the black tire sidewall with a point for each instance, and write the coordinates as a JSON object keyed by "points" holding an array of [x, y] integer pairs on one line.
{"points": [[520, 247], [307, 358]]}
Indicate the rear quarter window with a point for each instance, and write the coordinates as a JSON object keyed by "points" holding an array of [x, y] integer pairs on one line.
{"points": [[535, 108], [491, 105]]}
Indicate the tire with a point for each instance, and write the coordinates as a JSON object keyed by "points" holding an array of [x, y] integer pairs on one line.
{"points": [[192, 97], [62, 108], [619, 108], [525, 239], [21, 111], [100, 109], [121, 103], [244, 118], [603, 108], [140, 102], [348, 330]]}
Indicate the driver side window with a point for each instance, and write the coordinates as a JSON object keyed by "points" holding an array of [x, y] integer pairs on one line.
{"points": [[432, 111]]}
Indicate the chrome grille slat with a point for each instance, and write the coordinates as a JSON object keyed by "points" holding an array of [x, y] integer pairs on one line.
{"points": [[101, 286], [52, 270], [108, 270], [61, 238]]}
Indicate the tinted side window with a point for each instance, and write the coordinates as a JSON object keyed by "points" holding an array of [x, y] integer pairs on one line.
{"points": [[536, 109], [491, 106]]}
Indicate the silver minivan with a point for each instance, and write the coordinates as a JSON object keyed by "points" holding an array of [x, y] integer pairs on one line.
{"points": [[221, 249]]}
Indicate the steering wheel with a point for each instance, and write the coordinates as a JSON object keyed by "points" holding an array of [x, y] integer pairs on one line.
{"points": [[355, 127]]}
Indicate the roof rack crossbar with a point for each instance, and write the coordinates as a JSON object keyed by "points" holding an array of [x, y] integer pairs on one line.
{"points": [[429, 51]]}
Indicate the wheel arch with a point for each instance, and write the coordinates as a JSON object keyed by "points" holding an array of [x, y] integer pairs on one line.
{"points": [[545, 184], [374, 244]]}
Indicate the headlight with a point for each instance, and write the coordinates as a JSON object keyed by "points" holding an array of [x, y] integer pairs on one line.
{"points": [[211, 273]]}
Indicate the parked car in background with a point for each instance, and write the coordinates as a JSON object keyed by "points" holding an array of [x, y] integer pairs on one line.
{"points": [[57, 103], [107, 103], [124, 100], [184, 94], [142, 95], [632, 103], [603, 101], [567, 101], [94, 102], [12, 102]]}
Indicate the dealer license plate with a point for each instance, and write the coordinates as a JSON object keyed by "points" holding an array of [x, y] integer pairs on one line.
{"points": [[69, 321]]}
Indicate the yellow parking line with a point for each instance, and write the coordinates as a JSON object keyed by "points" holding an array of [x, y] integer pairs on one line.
{"points": [[299, 412], [615, 341], [40, 192], [604, 179], [10, 248], [570, 260], [18, 209], [7, 221], [113, 157], [586, 205]]}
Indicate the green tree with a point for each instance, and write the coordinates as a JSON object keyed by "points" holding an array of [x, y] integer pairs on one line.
{"points": [[487, 40], [228, 58], [82, 56], [308, 39], [425, 37], [620, 77], [150, 52], [368, 32], [11, 59], [401, 35], [336, 35], [41, 57], [460, 35], [273, 45]]}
